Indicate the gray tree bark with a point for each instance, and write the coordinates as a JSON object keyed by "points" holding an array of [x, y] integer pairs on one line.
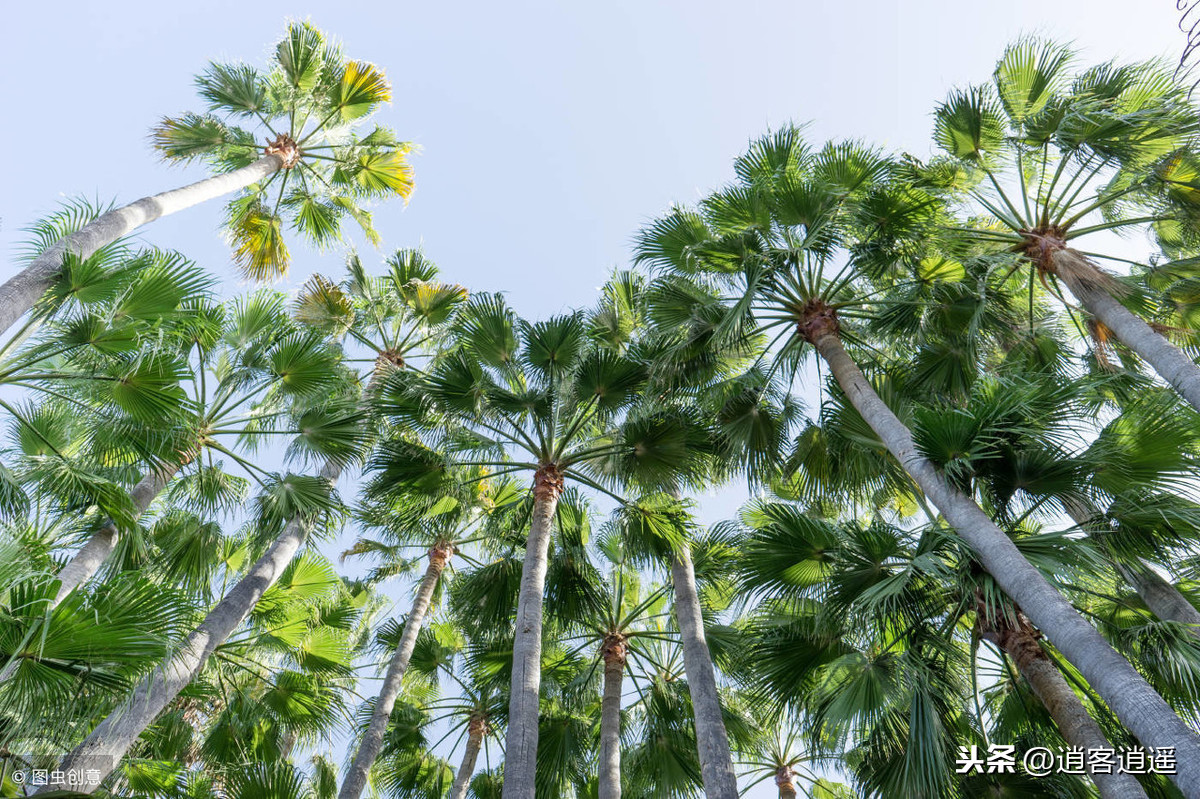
{"points": [[1120, 686], [613, 653], [1164, 599], [1019, 642], [19, 294], [111, 739], [372, 740], [1171, 363], [97, 549], [521, 739], [476, 728], [716, 762]]}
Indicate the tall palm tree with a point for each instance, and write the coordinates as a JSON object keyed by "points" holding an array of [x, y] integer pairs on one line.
{"points": [[751, 417], [288, 509], [763, 249], [543, 399], [779, 756], [630, 617], [911, 582], [306, 103], [1055, 157], [250, 373], [293, 503], [442, 527], [103, 350], [396, 317]]}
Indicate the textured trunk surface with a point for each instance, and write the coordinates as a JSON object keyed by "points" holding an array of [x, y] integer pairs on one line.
{"points": [[716, 763], [1120, 686], [1164, 599], [466, 769], [1171, 363], [92, 555], [19, 294], [610, 719], [1020, 643], [783, 781], [372, 740], [521, 740], [109, 742]]}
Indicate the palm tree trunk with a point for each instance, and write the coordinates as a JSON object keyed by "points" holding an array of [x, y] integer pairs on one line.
{"points": [[476, 728], [521, 739], [613, 652], [372, 740], [783, 781], [111, 739], [1020, 642], [23, 290], [1164, 599], [716, 763], [96, 550], [1171, 363], [1120, 686]]}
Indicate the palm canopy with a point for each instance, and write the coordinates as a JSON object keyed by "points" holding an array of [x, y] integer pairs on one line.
{"points": [[1045, 157], [395, 316], [539, 397], [757, 259], [305, 107], [870, 631], [1048, 151]]}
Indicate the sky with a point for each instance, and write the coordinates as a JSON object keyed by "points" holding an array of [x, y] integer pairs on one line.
{"points": [[547, 133]]}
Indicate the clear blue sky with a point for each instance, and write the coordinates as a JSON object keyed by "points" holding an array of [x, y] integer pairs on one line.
{"points": [[548, 131]]}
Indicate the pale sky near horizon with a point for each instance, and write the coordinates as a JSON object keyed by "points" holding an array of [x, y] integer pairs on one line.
{"points": [[548, 132]]}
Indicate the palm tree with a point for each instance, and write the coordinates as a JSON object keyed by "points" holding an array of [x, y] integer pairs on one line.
{"points": [[252, 373], [773, 263], [396, 317], [287, 509], [101, 351], [631, 617], [713, 375], [778, 756], [290, 505], [544, 399], [835, 577], [1106, 149], [307, 101], [442, 527]]}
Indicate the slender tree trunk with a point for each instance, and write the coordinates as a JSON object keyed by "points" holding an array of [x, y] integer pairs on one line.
{"points": [[716, 763], [372, 740], [783, 781], [1120, 686], [521, 739], [613, 652], [1020, 642], [1164, 599], [1171, 363], [97, 549], [111, 739], [476, 729], [19, 294]]}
